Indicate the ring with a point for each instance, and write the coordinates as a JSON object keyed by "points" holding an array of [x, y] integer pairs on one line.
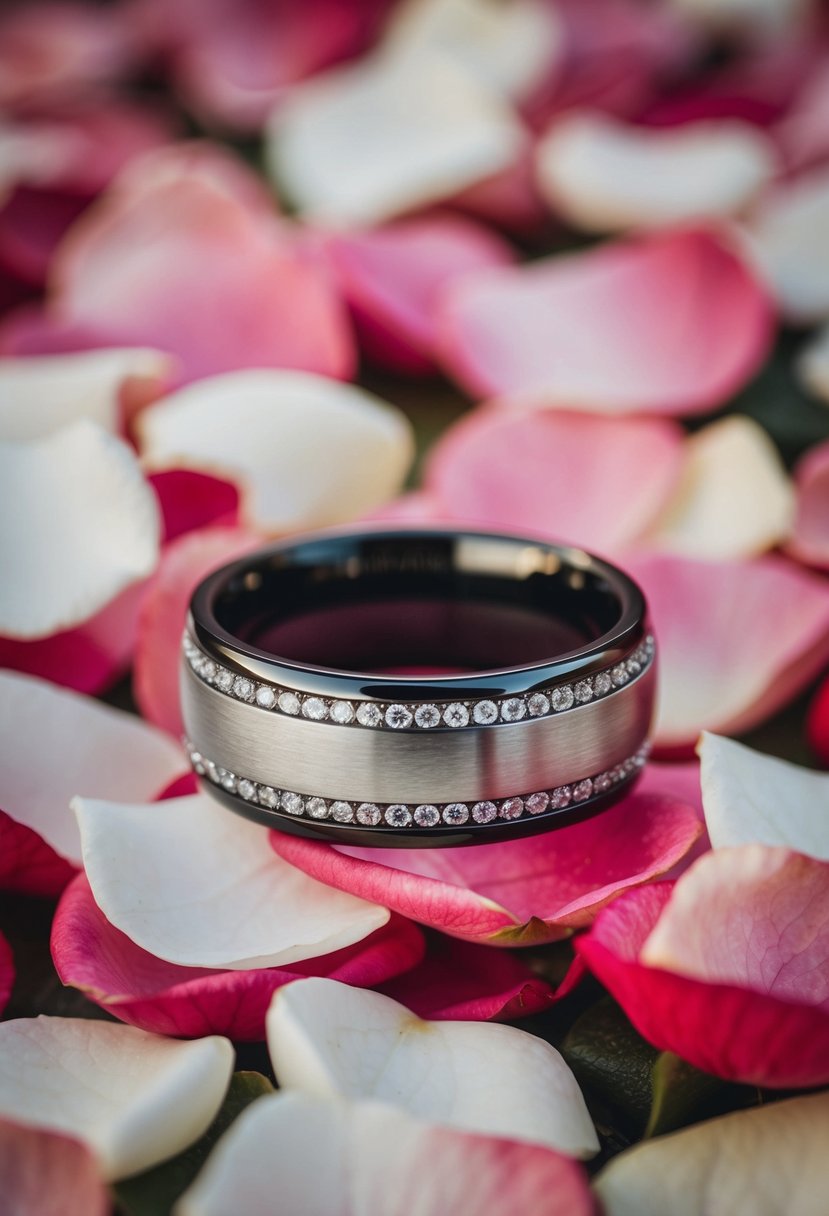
{"points": [[416, 688]]}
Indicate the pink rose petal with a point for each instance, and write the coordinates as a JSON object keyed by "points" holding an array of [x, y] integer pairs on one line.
{"points": [[749, 931], [509, 199], [673, 324], [818, 723], [530, 471], [521, 893], [173, 250], [191, 500], [392, 278], [28, 864], [91, 954], [6, 972], [48, 1174], [185, 563], [810, 537], [463, 981], [737, 640]]}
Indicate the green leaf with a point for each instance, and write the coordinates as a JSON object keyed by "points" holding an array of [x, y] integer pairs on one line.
{"points": [[683, 1094], [154, 1192]]}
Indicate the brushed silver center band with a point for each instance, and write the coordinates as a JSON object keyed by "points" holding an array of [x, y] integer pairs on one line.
{"points": [[345, 755]]}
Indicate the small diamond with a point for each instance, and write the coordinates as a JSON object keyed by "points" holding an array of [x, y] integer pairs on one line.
{"points": [[538, 803], [602, 782], [197, 762], [288, 702], [268, 796], [583, 790], [633, 666], [317, 808], [342, 812], [368, 714], [212, 771], [398, 816], [484, 812], [398, 717], [315, 709], [455, 813], [619, 674], [265, 697], [538, 705], [427, 716], [561, 698], [584, 691], [243, 688], [513, 710], [512, 808], [368, 814], [561, 797], [292, 803], [456, 714], [602, 683], [228, 780], [485, 713], [247, 789], [426, 816], [341, 712], [224, 679], [207, 671]]}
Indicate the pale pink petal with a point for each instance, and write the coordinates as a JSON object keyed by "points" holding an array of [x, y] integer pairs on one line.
{"points": [[769, 1159], [787, 238], [135, 1099], [803, 132], [521, 893], [509, 199], [434, 130], [392, 278], [196, 885], [184, 564], [750, 797], [733, 498], [177, 247], [528, 471], [329, 1040], [378, 1162], [192, 501], [810, 536], [40, 394], [462, 981], [91, 954], [673, 324], [56, 744], [266, 428], [602, 175], [64, 565], [415, 507], [49, 1174], [737, 640]]}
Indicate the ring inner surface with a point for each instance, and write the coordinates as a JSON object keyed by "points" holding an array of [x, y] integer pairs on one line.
{"points": [[419, 604]]}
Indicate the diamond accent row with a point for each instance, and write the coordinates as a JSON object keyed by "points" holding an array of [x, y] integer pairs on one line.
{"points": [[425, 815], [456, 715]]}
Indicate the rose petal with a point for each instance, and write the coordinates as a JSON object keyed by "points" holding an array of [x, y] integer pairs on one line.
{"points": [[330, 1040], [415, 507], [56, 744], [751, 798], [787, 236], [264, 427], [378, 1162], [64, 564], [133, 1098], [733, 498], [183, 565], [6, 975], [50, 1174], [194, 884], [179, 244], [744, 1034], [769, 1159], [737, 640], [460, 981], [192, 501], [810, 536], [434, 130], [521, 893], [673, 324], [509, 199], [43, 393], [92, 955], [392, 278], [603, 175], [748, 16], [817, 724], [527, 471]]}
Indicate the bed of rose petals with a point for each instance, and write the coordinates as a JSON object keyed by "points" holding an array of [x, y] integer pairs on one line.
{"points": [[247, 251]]}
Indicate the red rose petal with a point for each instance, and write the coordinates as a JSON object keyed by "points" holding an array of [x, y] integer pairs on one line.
{"points": [[190, 500], [818, 722], [6, 971]]}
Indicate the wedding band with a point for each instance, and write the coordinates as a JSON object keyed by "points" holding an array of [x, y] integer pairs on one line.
{"points": [[415, 688]]}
